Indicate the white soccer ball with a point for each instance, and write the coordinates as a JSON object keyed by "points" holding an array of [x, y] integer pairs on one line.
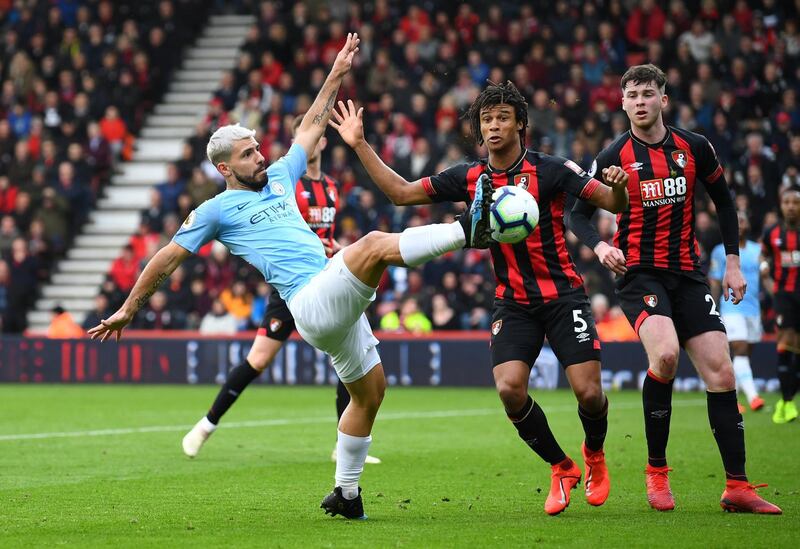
{"points": [[514, 214]]}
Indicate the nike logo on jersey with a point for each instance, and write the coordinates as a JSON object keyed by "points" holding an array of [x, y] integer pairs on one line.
{"points": [[240, 207]]}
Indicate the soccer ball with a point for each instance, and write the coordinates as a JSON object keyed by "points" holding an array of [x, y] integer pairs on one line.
{"points": [[514, 214]]}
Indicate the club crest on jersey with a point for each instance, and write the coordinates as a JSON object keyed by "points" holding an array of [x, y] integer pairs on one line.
{"points": [[680, 158], [332, 194], [275, 324], [278, 189], [651, 300], [496, 327], [522, 180], [189, 219]]}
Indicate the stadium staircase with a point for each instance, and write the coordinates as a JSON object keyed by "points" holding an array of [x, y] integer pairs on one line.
{"points": [[76, 279]]}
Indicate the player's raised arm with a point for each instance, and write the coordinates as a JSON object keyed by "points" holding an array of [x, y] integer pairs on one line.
{"points": [[316, 119], [155, 272], [613, 195], [348, 122]]}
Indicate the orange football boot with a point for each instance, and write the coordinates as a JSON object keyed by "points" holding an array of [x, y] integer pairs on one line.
{"points": [[659, 495], [597, 482], [563, 479], [757, 403], [740, 497]]}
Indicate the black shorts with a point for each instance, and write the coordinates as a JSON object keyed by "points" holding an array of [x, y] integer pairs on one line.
{"points": [[518, 331], [278, 322], [684, 298], [787, 310]]}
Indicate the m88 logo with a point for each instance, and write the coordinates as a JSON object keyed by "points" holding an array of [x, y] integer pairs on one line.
{"points": [[666, 191]]}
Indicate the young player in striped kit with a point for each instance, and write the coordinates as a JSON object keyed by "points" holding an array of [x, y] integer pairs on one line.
{"points": [[661, 288], [539, 293], [781, 244]]}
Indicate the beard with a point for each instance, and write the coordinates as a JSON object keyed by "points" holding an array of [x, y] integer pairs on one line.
{"points": [[256, 181]]}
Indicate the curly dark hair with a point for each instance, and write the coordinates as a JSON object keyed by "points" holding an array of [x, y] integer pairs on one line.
{"points": [[498, 94]]}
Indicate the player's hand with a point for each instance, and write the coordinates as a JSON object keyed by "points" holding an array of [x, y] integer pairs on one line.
{"points": [[611, 258], [112, 325], [733, 283], [615, 177], [348, 122], [344, 59], [331, 247]]}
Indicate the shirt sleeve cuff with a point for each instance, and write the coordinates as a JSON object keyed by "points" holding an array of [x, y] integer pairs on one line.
{"points": [[589, 189], [428, 186]]}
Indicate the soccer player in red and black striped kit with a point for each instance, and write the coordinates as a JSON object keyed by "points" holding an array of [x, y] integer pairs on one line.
{"points": [[661, 288], [539, 293], [781, 244], [317, 196]]}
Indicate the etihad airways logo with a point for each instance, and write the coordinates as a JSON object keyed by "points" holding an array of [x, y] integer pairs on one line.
{"points": [[274, 212]]}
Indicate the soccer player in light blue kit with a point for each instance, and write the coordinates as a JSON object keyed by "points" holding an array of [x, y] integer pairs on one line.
{"points": [[257, 218], [742, 321]]}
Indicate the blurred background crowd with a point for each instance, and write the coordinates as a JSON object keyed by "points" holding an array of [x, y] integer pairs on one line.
{"points": [[78, 77]]}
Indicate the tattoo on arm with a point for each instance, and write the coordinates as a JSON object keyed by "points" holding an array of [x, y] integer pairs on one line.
{"points": [[143, 299], [326, 109]]}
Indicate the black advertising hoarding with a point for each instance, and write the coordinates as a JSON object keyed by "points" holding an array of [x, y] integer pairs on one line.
{"points": [[454, 359]]}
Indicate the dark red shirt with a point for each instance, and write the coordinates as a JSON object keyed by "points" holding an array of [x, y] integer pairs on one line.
{"points": [[782, 245], [657, 229], [318, 200], [538, 269]]}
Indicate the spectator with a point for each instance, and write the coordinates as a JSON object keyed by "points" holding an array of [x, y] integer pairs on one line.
{"points": [[114, 130], [171, 189], [238, 302], [157, 316], [218, 320], [63, 326], [100, 312], [125, 269]]}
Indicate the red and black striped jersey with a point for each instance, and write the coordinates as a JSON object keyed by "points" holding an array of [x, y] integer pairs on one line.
{"points": [[657, 229], [318, 200], [538, 269], [782, 246]]}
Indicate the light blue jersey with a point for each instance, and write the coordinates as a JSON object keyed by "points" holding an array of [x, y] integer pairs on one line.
{"points": [[265, 228], [749, 260]]}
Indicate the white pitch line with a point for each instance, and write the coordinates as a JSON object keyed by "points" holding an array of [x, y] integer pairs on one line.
{"points": [[389, 416]]}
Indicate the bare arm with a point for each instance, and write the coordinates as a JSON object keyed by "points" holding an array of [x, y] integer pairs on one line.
{"points": [[350, 126], [613, 196], [155, 272], [316, 119]]}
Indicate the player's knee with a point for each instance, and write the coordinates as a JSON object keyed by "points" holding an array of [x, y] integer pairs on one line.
{"points": [[259, 360], [373, 242], [720, 376], [513, 394], [591, 398], [666, 362]]}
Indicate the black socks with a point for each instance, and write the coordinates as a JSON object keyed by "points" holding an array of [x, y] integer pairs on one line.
{"points": [[238, 380], [532, 427], [657, 401], [728, 428]]}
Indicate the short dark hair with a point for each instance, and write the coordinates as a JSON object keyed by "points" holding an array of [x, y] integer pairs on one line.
{"points": [[498, 94], [644, 74]]}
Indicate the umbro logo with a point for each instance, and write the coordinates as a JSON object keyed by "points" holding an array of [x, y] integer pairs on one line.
{"points": [[636, 166], [659, 414], [240, 207]]}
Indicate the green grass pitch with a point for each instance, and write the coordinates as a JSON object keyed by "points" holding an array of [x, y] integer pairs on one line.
{"points": [[104, 467]]}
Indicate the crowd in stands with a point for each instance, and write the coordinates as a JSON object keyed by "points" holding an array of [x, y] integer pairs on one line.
{"points": [[76, 80], [732, 70]]}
